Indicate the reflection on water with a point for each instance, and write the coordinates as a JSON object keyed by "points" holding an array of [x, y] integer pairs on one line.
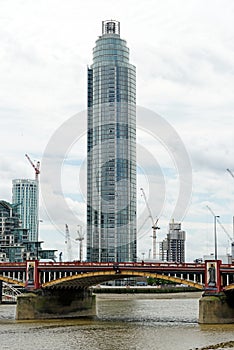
{"points": [[127, 323]]}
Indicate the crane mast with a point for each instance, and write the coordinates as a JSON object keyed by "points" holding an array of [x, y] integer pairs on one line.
{"points": [[154, 224], [80, 238], [68, 243]]}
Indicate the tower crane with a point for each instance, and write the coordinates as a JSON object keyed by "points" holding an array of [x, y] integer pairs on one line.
{"points": [[154, 223], [80, 238], [221, 225], [36, 167], [68, 243]]}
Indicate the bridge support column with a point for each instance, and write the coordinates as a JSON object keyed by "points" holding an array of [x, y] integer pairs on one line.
{"points": [[56, 303], [216, 309]]}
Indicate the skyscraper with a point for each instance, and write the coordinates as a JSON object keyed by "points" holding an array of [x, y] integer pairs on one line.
{"points": [[111, 164], [25, 196]]}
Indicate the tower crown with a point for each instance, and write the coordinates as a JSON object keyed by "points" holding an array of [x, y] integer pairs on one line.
{"points": [[110, 27]]}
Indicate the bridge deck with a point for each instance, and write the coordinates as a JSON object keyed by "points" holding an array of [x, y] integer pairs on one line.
{"points": [[83, 274]]}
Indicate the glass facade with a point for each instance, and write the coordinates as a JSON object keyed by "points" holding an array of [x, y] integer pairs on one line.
{"points": [[25, 198], [111, 168]]}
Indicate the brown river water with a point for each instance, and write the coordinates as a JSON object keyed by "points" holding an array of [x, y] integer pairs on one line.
{"points": [[123, 322]]}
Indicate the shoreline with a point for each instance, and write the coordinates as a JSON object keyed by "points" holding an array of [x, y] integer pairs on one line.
{"points": [[128, 296]]}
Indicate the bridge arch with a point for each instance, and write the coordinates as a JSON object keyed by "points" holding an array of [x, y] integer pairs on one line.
{"points": [[230, 287], [93, 278], [12, 281]]}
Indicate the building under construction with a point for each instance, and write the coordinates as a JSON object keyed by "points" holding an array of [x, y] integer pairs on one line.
{"points": [[172, 248]]}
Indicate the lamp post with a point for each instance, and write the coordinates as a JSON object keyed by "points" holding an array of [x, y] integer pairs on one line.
{"points": [[215, 235], [37, 242]]}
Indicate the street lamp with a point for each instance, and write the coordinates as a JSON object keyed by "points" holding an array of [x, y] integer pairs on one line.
{"points": [[37, 238], [215, 235]]}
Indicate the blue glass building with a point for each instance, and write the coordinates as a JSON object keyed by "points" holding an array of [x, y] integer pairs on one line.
{"points": [[111, 167], [25, 197]]}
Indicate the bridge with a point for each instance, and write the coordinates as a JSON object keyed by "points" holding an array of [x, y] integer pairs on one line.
{"points": [[83, 274], [73, 279]]}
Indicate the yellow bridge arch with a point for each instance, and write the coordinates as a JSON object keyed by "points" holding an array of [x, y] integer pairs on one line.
{"points": [[230, 287], [92, 278], [12, 281]]}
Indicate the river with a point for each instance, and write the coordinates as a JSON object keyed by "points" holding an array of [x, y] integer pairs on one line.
{"points": [[123, 322]]}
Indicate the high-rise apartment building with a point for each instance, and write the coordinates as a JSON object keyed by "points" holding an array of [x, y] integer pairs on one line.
{"points": [[12, 235], [111, 167], [172, 248], [25, 196]]}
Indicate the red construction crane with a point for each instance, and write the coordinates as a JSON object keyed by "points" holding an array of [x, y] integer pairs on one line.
{"points": [[36, 167]]}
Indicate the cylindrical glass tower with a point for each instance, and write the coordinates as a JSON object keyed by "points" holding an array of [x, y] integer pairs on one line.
{"points": [[111, 172], [25, 197]]}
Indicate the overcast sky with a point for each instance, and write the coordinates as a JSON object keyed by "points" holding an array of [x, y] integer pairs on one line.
{"points": [[184, 55]]}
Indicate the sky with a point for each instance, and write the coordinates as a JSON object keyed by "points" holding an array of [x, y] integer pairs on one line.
{"points": [[184, 56]]}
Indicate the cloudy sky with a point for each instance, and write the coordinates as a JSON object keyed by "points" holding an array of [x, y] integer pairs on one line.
{"points": [[184, 55]]}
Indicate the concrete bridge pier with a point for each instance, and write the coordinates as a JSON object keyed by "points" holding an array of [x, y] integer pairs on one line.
{"points": [[216, 309], [55, 303]]}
